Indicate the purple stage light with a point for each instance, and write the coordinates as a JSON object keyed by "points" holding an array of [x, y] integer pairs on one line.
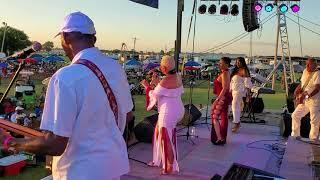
{"points": [[258, 7], [295, 8]]}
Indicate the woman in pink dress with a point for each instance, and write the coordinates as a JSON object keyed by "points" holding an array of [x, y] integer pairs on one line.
{"points": [[167, 96], [219, 107]]}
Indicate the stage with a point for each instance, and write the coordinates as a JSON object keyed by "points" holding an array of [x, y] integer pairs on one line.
{"points": [[203, 160]]}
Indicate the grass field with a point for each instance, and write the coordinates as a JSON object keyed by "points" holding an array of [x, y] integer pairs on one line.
{"points": [[199, 96]]}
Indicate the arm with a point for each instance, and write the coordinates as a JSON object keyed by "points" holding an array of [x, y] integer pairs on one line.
{"points": [[49, 144]]}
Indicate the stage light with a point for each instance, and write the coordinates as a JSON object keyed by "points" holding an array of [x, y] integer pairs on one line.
{"points": [[295, 8], [212, 9], [224, 10], [268, 7], [258, 7], [283, 8], [202, 9], [234, 10]]}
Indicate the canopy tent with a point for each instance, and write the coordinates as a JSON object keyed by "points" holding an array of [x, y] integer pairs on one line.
{"points": [[3, 64], [150, 66], [28, 60], [261, 66], [191, 64], [53, 58], [37, 57]]}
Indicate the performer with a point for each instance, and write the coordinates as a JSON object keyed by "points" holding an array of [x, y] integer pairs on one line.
{"points": [[240, 87], [83, 131], [307, 93], [167, 95], [219, 107]]}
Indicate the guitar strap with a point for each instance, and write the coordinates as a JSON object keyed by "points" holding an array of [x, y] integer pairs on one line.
{"points": [[308, 80]]}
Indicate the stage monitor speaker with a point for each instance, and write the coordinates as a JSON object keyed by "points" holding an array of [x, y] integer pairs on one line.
{"points": [[304, 127], [190, 118], [145, 129], [249, 15], [242, 172]]}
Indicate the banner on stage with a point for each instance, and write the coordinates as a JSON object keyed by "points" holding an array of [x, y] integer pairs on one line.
{"points": [[150, 3]]}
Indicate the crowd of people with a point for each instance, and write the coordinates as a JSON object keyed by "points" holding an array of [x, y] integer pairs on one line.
{"points": [[88, 104]]}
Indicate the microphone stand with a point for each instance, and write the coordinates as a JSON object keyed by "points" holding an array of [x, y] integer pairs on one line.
{"points": [[191, 82], [208, 100], [21, 66]]}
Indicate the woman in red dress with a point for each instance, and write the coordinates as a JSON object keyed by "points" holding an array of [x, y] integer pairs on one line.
{"points": [[219, 107]]}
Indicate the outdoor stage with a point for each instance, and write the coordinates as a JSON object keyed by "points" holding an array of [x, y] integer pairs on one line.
{"points": [[203, 159]]}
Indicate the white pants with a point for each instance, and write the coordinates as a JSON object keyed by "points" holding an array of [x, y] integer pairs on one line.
{"points": [[302, 110], [236, 105]]}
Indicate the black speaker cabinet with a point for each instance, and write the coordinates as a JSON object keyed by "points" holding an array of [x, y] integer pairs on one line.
{"points": [[304, 127], [190, 118], [242, 172], [249, 15], [145, 129], [290, 99]]}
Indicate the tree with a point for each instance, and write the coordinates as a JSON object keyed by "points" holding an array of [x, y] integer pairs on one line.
{"points": [[15, 40], [162, 52], [48, 46]]}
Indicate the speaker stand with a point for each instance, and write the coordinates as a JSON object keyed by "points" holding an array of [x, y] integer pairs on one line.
{"points": [[251, 116], [207, 109], [188, 135]]}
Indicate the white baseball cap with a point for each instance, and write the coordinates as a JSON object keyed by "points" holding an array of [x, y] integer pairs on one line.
{"points": [[77, 22], [19, 108]]}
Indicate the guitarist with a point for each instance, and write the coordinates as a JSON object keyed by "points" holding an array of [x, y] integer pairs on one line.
{"points": [[308, 100]]}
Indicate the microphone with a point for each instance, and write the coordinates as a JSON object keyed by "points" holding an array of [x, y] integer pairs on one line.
{"points": [[36, 46]]}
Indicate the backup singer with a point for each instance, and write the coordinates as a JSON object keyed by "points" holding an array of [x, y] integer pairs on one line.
{"points": [[83, 132], [240, 87], [307, 93], [219, 107], [167, 95]]}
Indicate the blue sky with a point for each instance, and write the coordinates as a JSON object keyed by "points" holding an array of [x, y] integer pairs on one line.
{"points": [[119, 21]]}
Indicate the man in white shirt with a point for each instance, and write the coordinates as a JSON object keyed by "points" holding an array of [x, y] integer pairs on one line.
{"points": [[309, 91], [81, 129]]}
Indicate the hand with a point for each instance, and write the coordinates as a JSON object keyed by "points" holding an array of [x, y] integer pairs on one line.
{"points": [[145, 83]]}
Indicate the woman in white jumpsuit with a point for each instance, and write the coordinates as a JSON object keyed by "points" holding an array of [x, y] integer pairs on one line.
{"points": [[240, 86]]}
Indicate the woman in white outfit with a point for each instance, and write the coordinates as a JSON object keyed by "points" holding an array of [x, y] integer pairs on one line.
{"points": [[240, 87], [167, 96]]}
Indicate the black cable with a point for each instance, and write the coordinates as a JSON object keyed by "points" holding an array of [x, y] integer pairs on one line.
{"points": [[276, 154], [237, 38], [304, 26]]}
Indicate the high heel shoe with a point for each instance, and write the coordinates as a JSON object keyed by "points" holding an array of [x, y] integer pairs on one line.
{"points": [[235, 127], [219, 142]]}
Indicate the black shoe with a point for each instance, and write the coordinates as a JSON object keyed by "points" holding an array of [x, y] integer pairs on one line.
{"points": [[219, 142]]}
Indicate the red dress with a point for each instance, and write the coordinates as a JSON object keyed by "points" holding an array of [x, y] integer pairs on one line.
{"points": [[220, 110]]}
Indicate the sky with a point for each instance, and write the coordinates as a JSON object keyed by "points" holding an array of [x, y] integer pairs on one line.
{"points": [[119, 21]]}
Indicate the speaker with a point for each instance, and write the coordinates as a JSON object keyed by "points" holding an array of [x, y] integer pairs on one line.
{"points": [[249, 15], [257, 105], [145, 129], [290, 99], [190, 118], [243, 172], [304, 127]]}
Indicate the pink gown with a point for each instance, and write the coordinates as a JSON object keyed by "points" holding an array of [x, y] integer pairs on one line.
{"points": [[171, 111]]}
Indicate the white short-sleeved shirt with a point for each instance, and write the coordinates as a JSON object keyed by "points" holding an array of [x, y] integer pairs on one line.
{"points": [[77, 107], [311, 85]]}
